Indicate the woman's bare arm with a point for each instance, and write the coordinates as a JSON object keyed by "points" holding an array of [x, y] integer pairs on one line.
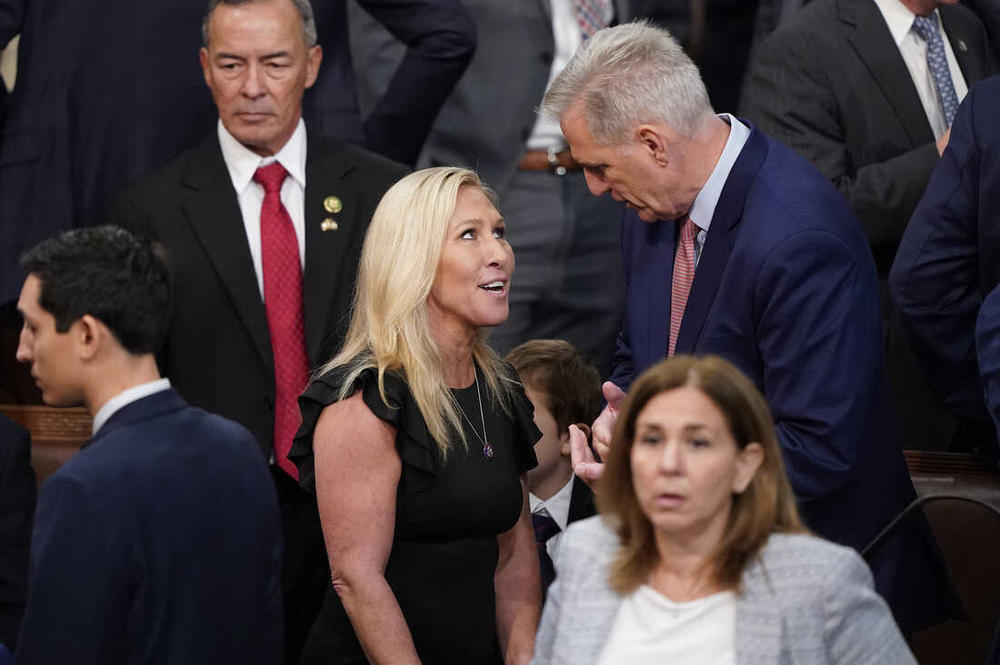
{"points": [[518, 587], [357, 474]]}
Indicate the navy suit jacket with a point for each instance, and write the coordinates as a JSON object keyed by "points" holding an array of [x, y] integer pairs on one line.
{"points": [[786, 290], [159, 542], [108, 90], [949, 257]]}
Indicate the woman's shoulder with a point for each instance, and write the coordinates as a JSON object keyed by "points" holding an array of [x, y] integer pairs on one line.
{"points": [[590, 540], [806, 565]]}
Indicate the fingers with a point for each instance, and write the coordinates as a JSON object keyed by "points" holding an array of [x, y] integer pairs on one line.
{"points": [[602, 429], [613, 394], [582, 458], [589, 473]]}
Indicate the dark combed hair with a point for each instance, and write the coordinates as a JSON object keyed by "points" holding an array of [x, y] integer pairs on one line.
{"points": [[108, 273], [571, 385]]}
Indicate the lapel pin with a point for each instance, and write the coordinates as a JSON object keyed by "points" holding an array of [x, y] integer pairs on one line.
{"points": [[962, 47], [332, 205], [329, 224]]}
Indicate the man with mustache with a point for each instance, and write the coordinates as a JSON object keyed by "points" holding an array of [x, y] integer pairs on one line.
{"points": [[264, 222]]}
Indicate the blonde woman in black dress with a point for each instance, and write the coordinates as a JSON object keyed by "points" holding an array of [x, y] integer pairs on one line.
{"points": [[416, 438]]}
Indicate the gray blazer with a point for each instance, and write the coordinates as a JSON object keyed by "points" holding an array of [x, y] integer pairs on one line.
{"points": [[803, 601]]}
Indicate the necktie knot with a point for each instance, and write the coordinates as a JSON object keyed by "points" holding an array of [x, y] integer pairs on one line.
{"points": [[688, 230], [270, 177], [545, 526], [926, 27]]}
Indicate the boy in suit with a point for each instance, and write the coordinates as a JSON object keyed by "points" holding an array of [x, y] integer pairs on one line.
{"points": [[159, 542], [565, 389]]}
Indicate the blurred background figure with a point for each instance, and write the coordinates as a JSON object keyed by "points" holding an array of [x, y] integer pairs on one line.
{"points": [[568, 282], [866, 90], [108, 90], [17, 507], [698, 555], [416, 440], [949, 264], [160, 541], [564, 389]]}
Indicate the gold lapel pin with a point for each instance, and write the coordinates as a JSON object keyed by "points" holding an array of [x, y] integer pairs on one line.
{"points": [[332, 205], [329, 224]]}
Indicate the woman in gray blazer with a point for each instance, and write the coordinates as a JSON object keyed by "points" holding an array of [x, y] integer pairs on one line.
{"points": [[698, 555]]}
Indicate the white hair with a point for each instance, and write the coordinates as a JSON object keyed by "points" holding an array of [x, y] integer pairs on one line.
{"points": [[628, 75]]}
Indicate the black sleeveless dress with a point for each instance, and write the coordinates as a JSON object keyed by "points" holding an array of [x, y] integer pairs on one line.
{"points": [[448, 516]]}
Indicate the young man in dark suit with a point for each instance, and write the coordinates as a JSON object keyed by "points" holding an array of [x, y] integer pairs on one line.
{"points": [[264, 221], [160, 541]]}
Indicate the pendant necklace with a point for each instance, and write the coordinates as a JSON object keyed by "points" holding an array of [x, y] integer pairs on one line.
{"points": [[487, 446]]}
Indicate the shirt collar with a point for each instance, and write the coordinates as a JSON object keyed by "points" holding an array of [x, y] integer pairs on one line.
{"points": [[557, 505], [703, 208], [900, 19], [243, 162], [126, 397]]}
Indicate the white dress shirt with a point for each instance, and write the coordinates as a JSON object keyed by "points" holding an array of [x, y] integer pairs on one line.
{"points": [[557, 506], [242, 163], [914, 51], [126, 397], [568, 37], [703, 208], [651, 629]]}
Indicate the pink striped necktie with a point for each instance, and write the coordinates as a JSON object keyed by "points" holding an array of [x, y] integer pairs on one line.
{"points": [[683, 277], [283, 304]]}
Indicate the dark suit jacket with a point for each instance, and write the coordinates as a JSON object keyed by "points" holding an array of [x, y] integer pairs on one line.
{"points": [[107, 91], [159, 542], [949, 258], [581, 502], [832, 85], [218, 350], [786, 290], [988, 352], [17, 506]]}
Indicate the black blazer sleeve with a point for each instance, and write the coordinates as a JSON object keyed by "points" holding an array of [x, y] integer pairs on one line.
{"points": [[441, 40], [17, 507]]}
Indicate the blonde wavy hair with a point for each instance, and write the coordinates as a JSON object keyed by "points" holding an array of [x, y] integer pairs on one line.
{"points": [[389, 328]]}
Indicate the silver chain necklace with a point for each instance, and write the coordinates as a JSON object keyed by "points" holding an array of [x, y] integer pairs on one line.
{"points": [[487, 446]]}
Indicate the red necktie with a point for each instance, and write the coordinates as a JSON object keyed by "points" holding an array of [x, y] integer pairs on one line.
{"points": [[680, 284], [283, 302]]}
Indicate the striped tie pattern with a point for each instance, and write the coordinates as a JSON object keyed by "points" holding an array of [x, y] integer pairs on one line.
{"points": [[683, 277], [937, 63], [590, 16]]}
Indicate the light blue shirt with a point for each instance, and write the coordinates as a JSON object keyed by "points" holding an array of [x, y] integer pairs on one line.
{"points": [[703, 208]]}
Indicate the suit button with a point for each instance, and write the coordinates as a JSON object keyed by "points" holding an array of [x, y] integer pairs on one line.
{"points": [[546, 57], [268, 404]]}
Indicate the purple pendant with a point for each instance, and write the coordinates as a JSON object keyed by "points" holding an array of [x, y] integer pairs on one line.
{"points": [[488, 450]]}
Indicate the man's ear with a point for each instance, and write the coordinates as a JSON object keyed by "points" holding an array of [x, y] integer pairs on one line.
{"points": [[91, 335], [314, 58], [653, 142]]}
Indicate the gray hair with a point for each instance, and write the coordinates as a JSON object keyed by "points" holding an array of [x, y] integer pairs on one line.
{"points": [[303, 6], [628, 75]]}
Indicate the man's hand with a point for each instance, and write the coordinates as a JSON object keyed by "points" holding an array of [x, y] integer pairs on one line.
{"points": [[581, 457], [605, 423], [942, 142]]}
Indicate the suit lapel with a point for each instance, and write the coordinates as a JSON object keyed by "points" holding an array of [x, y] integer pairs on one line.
{"points": [[654, 272], [581, 501], [963, 34], [720, 239], [869, 36], [326, 169], [213, 212]]}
